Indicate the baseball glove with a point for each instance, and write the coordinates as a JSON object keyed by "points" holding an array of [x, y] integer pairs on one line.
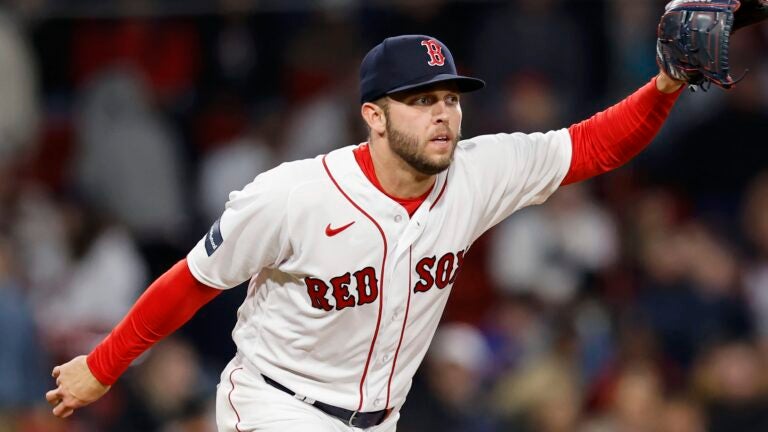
{"points": [[693, 38]]}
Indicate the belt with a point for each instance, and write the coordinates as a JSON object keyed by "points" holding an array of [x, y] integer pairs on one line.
{"points": [[357, 419]]}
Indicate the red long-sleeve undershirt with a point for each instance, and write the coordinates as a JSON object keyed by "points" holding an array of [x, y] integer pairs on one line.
{"points": [[606, 141], [610, 138], [165, 306]]}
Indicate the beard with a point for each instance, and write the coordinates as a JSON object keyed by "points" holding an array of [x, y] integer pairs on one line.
{"points": [[407, 147]]}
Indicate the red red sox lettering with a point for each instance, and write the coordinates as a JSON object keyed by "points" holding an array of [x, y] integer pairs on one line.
{"points": [[431, 271]]}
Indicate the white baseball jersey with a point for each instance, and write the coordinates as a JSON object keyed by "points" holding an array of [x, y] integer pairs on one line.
{"points": [[346, 290]]}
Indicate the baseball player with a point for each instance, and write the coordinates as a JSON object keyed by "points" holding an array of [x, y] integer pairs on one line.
{"points": [[351, 255]]}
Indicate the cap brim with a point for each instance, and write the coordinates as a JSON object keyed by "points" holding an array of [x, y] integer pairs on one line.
{"points": [[465, 84]]}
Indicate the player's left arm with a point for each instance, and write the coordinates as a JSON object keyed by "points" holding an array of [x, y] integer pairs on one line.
{"points": [[610, 138]]}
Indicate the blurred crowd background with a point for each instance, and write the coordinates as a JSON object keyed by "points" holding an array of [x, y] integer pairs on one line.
{"points": [[633, 302]]}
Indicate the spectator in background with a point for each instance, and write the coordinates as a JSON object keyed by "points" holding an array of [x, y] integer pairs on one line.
{"points": [[559, 411], [19, 116], [232, 51], [688, 292], [233, 163], [170, 393], [531, 103], [240, 48], [320, 124], [324, 91], [105, 274], [126, 148], [635, 403], [523, 397], [632, 26], [234, 152], [714, 270], [654, 212], [550, 250], [500, 54], [451, 399], [22, 361], [636, 349], [755, 224], [80, 268], [8, 194], [732, 380], [163, 52], [691, 295], [681, 414], [516, 330], [715, 175]]}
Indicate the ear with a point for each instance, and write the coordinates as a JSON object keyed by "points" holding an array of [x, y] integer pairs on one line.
{"points": [[375, 118]]}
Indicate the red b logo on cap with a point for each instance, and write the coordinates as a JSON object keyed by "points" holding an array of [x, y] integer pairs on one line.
{"points": [[435, 51]]}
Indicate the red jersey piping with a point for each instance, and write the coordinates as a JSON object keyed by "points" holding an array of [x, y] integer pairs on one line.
{"points": [[440, 195], [229, 396], [405, 320], [381, 285]]}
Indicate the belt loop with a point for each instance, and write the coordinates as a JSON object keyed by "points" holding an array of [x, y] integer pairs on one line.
{"points": [[351, 419], [386, 414], [303, 398]]}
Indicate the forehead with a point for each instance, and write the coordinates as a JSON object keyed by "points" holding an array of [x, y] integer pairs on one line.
{"points": [[446, 86]]}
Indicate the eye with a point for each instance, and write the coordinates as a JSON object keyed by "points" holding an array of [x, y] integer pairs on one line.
{"points": [[452, 99], [423, 100]]}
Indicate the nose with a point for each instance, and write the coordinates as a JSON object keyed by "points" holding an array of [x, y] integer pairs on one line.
{"points": [[440, 112]]}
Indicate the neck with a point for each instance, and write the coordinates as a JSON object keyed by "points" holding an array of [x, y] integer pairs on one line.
{"points": [[395, 175]]}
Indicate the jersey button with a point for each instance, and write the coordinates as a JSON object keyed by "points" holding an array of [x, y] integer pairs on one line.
{"points": [[398, 218], [385, 358], [377, 402]]}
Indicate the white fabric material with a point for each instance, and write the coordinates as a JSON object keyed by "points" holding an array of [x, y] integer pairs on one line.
{"points": [[274, 234]]}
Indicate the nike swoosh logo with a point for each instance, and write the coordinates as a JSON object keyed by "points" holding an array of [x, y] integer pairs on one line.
{"points": [[330, 232]]}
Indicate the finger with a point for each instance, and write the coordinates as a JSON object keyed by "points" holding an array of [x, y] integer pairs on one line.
{"points": [[53, 396], [60, 409], [56, 372], [65, 408]]}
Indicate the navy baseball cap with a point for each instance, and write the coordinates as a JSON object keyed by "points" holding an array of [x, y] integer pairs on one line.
{"points": [[406, 62]]}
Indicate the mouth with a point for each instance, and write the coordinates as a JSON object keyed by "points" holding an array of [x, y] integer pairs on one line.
{"points": [[441, 138]]}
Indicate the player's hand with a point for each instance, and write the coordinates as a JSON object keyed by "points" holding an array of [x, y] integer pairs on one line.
{"points": [[76, 387], [667, 84]]}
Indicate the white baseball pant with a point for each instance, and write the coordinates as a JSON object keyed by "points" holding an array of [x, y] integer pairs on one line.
{"points": [[246, 403]]}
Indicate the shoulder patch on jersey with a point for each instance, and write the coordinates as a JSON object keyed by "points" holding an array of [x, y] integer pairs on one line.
{"points": [[213, 239]]}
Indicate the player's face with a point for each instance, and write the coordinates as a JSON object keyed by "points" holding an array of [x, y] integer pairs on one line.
{"points": [[424, 126]]}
